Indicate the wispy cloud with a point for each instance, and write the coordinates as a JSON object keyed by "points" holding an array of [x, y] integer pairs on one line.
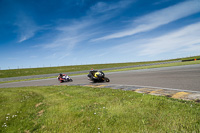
{"points": [[183, 40], [102, 7], [26, 27], [161, 1], [77, 32], [157, 18], [58, 55]]}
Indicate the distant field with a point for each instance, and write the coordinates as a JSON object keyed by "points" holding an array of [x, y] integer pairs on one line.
{"points": [[91, 110], [191, 58], [115, 70], [49, 70], [158, 66]]}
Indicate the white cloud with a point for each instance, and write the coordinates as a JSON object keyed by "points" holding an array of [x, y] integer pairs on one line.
{"points": [[63, 55], [76, 32], [52, 56], [102, 7], [183, 40], [62, 41], [161, 1], [191, 50], [26, 28], [158, 18]]}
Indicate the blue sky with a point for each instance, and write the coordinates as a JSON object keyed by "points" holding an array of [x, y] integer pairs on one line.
{"points": [[43, 33]]}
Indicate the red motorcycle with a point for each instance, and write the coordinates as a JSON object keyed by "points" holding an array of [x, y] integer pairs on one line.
{"points": [[64, 78]]}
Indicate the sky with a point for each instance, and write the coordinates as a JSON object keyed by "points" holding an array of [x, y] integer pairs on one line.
{"points": [[47, 33]]}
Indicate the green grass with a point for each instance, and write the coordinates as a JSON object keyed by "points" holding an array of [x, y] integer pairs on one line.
{"points": [[70, 109], [26, 79], [38, 78], [158, 66], [50, 70], [190, 58]]}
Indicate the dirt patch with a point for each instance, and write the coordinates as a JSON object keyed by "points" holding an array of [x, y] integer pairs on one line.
{"points": [[68, 95], [37, 105], [40, 112], [26, 131]]}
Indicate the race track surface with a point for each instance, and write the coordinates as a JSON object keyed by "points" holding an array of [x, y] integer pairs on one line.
{"points": [[179, 77]]}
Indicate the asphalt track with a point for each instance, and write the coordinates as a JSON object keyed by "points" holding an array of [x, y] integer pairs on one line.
{"points": [[179, 77]]}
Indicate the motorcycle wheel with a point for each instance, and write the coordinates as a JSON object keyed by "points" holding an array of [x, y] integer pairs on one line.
{"points": [[107, 79]]}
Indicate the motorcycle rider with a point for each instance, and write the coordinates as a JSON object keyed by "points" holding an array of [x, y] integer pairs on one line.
{"points": [[96, 74], [92, 73], [60, 75]]}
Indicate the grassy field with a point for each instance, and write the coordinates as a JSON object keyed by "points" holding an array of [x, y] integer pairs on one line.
{"points": [[158, 66], [50, 70], [191, 58], [91, 110], [125, 69]]}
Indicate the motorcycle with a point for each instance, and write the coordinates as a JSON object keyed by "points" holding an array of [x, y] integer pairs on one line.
{"points": [[97, 76], [64, 78]]}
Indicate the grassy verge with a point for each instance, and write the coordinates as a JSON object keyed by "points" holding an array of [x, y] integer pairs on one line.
{"points": [[158, 66], [83, 109], [191, 58], [38, 78], [26, 79]]}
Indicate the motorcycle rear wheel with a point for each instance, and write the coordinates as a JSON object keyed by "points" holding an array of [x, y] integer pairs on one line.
{"points": [[107, 79]]}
